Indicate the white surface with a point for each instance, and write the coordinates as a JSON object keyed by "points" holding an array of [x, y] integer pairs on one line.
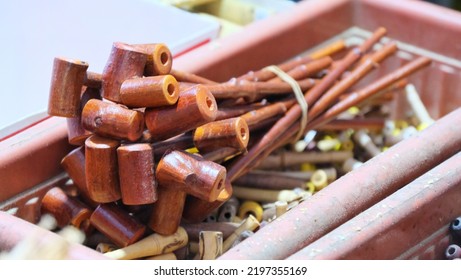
{"points": [[34, 32]]}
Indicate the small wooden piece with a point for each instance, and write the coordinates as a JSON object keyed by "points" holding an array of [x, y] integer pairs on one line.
{"points": [[210, 245], [65, 209], [101, 169], [167, 210], [117, 225], [191, 174], [152, 245], [136, 172], [154, 91], [159, 59], [233, 133], [280, 208], [112, 120], [125, 62], [195, 107], [66, 85], [74, 164]]}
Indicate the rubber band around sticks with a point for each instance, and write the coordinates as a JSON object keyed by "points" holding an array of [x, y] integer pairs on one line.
{"points": [[298, 94]]}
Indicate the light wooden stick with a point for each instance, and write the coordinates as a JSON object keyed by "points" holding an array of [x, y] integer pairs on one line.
{"points": [[280, 208], [267, 195], [152, 245], [249, 223]]}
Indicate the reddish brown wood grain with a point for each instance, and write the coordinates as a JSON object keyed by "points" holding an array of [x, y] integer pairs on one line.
{"points": [[136, 172], [66, 85]]}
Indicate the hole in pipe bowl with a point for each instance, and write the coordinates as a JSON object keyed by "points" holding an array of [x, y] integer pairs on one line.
{"points": [[171, 89], [164, 58], [209, 103], [243, 133]]}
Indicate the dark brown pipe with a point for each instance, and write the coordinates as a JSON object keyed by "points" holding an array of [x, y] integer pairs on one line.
{"points": [[66, 210], [154, 91], [125, 62], [117, 225], [101, 169], [66, 85], [191, 174], [232, 133], [159, 59], [113, 121], [195, 107], [136, 172]]}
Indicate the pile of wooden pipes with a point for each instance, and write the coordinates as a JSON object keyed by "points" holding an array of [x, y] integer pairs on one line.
{"points": [[165, 157]]}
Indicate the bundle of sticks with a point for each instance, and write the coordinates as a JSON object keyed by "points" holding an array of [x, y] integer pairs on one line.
{"points": [[160, 151]]}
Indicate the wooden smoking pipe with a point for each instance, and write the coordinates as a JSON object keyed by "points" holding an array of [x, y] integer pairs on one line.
{"points": [[65, 209], [195, 107], [191, 174], [152, 245], [117, 225], [112, 120], [159, 59], [66, 86], [153, 91], [136, 172], [101, 169], [232, 133], [125, 62]]}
